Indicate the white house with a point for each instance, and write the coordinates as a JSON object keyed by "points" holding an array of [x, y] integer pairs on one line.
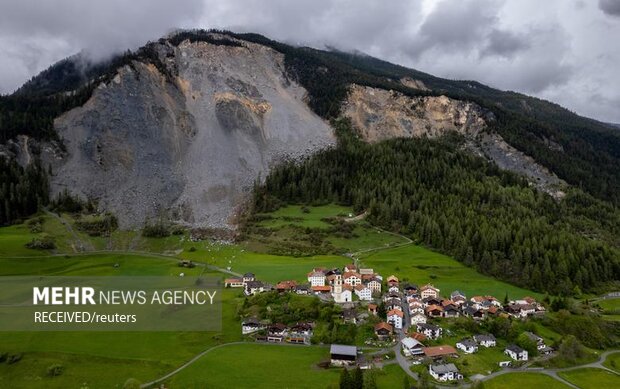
{"points": [[468, 346], [352, 278], [418, 318], [395, 318], [412, 347], [363, 293], [248, 277], [316, 278], [429, 330], [515, 352], [374, 285], [250, 325], [445, 372], [486, 340], [394, 289], [429, 290]]}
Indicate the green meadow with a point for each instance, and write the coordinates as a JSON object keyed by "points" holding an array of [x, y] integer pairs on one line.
{"points": [[524, 380], [416, 264], [259, 366], [591, 378], [108, 359]]}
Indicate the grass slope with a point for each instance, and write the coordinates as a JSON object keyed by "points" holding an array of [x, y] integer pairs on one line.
{"points": [[592, 378], [416, 264]]}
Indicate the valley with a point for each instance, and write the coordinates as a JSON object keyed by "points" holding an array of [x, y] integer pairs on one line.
{"points": [[146, 356]]}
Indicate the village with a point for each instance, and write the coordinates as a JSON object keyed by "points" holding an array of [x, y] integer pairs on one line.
{"points": [[409, 320]]}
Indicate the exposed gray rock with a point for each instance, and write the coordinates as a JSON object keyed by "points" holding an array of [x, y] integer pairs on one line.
{"points": [[189, 149], [381, 114]]}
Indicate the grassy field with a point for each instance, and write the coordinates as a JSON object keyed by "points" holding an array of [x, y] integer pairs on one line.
{"points": [[613, 361], [524, 380], [610, 304], [259, 366], [591, 378], [419, 265], [294, 215], [104, 360]]}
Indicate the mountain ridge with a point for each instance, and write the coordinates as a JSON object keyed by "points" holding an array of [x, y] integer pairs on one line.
{"points": [[582, 152]]}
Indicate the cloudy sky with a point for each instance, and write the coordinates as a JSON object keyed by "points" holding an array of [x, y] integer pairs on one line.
{"points": [[567, 51]]}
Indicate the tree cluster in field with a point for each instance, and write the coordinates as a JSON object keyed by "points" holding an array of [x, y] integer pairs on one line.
{"points": [[22, 190], [97, 225], [461, 205]]}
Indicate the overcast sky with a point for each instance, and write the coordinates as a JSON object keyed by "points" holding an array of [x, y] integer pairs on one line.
{"points": [[567, 51]]}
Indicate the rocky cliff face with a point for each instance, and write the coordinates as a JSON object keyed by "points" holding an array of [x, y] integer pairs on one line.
{"points": [[193, 146], [380, 114]]}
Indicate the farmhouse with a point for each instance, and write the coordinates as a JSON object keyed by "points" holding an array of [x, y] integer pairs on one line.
{"points": [[434, 311], [429, 330], [392, 280], [444, 372], [487, 340], [468, 346], [440, 351], [286, 286], [248, 277], [254, 287], [342, 355], [302, 329], [450, 311], [515, 352], [352, 278], [418, 318], [383, 330], [363, 293], [250, 325], [372, 308], [233, 283], [429, 290], [316, 277], [540, 342], [374, 285], [302, 289], [393, 303], [395, 317], [412, 346]]}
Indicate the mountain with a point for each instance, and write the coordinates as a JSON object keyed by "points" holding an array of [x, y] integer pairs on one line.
{"points": [[190, 122]]}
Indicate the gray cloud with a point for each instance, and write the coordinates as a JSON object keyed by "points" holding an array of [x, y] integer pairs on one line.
{"points": [[504, 43], [610, 7], [35, 33], [561, 52]]}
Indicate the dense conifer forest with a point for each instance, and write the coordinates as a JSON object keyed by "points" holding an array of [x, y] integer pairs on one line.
{"points": [[461, 205], [22, 191]]}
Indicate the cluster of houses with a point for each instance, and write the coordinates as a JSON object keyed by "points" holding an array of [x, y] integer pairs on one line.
{"points": [[299, 333], [343, 284], [249, 283]]}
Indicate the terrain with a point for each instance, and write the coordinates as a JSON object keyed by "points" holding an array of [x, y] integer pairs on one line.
{"points": [[242, 154]]}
